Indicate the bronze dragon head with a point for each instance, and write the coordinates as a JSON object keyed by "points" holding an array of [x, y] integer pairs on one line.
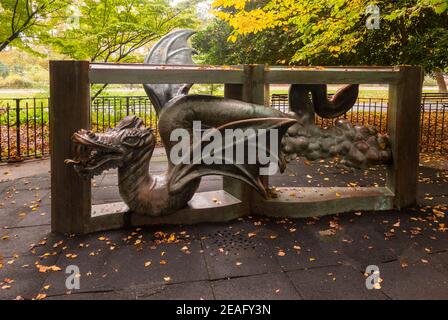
{"points": [[115, 148]]}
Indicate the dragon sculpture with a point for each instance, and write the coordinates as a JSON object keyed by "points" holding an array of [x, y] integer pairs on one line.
{"points": [[129, 146]]}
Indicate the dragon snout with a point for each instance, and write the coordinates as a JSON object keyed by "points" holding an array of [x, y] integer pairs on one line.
{"points": [[94, 153]]}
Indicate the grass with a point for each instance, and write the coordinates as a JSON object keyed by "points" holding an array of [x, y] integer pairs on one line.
{"points": [[119, 90]]}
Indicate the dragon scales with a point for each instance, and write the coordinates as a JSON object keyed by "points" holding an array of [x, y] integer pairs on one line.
{"points": [[129, 146]]}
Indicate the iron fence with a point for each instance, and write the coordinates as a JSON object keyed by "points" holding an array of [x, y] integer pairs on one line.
{"points": [[24, 123], [24, 130], [373, 111], [107, 111]]}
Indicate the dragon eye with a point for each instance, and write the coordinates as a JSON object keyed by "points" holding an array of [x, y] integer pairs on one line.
{"points": [[131, 140]]}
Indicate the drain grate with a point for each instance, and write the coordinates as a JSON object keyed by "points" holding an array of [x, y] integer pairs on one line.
{"points": [[231, 241]]}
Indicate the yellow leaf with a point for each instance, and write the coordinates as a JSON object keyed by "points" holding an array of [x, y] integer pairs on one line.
{"points": [[231, 38], [41, 296], [438, 213]]}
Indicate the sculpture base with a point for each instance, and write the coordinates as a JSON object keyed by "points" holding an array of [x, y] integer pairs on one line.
{"points": [[211, 206], [221, 206], [311, 202]]}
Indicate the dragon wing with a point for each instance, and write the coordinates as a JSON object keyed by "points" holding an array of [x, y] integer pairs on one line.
{"points": [[172, 49], [184, 173]]}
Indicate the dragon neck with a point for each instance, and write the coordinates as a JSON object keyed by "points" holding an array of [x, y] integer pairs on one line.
{"points": [[134, 178]]}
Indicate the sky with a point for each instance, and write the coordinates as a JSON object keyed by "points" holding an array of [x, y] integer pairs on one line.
{"points": [[203, 8]]}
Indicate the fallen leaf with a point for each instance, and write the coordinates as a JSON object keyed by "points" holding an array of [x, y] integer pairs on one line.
{"points": [[44, 269], [377, 286], [327, 233], [41, 296], [438, 213], [8, 280]]}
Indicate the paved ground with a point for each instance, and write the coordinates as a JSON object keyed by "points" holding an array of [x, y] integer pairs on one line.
{"points": [[253, 258]]}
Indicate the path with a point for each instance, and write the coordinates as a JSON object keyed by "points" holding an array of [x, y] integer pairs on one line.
{"points": [[252, 258]]}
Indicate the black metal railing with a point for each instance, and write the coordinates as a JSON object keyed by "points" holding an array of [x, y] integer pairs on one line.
{"points": [[24, 123], [373, 111], [24, 130], [107, 111]]}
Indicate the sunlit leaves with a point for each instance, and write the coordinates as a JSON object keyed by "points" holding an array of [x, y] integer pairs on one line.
{"points": [[114, 30], [328, 32], [23, 21]]}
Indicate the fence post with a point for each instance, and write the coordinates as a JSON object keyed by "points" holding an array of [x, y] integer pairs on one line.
{"points": [[127, 106], [18, 152], [251, 91], [69, 112], [403, 129]]}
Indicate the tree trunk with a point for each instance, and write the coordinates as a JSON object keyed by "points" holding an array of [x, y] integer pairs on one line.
{"points": [[99, 91], [440, 81]]}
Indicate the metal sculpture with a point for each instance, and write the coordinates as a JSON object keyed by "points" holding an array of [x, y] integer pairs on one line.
{"points": [[130, 145]]}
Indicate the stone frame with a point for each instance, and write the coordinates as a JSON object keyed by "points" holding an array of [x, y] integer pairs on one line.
{"points": [[71, 209]]}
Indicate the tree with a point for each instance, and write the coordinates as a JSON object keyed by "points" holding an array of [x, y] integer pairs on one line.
{"points": [[114, 30], [334, 31], [4, 71], [22, 19], [270, 46]]}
